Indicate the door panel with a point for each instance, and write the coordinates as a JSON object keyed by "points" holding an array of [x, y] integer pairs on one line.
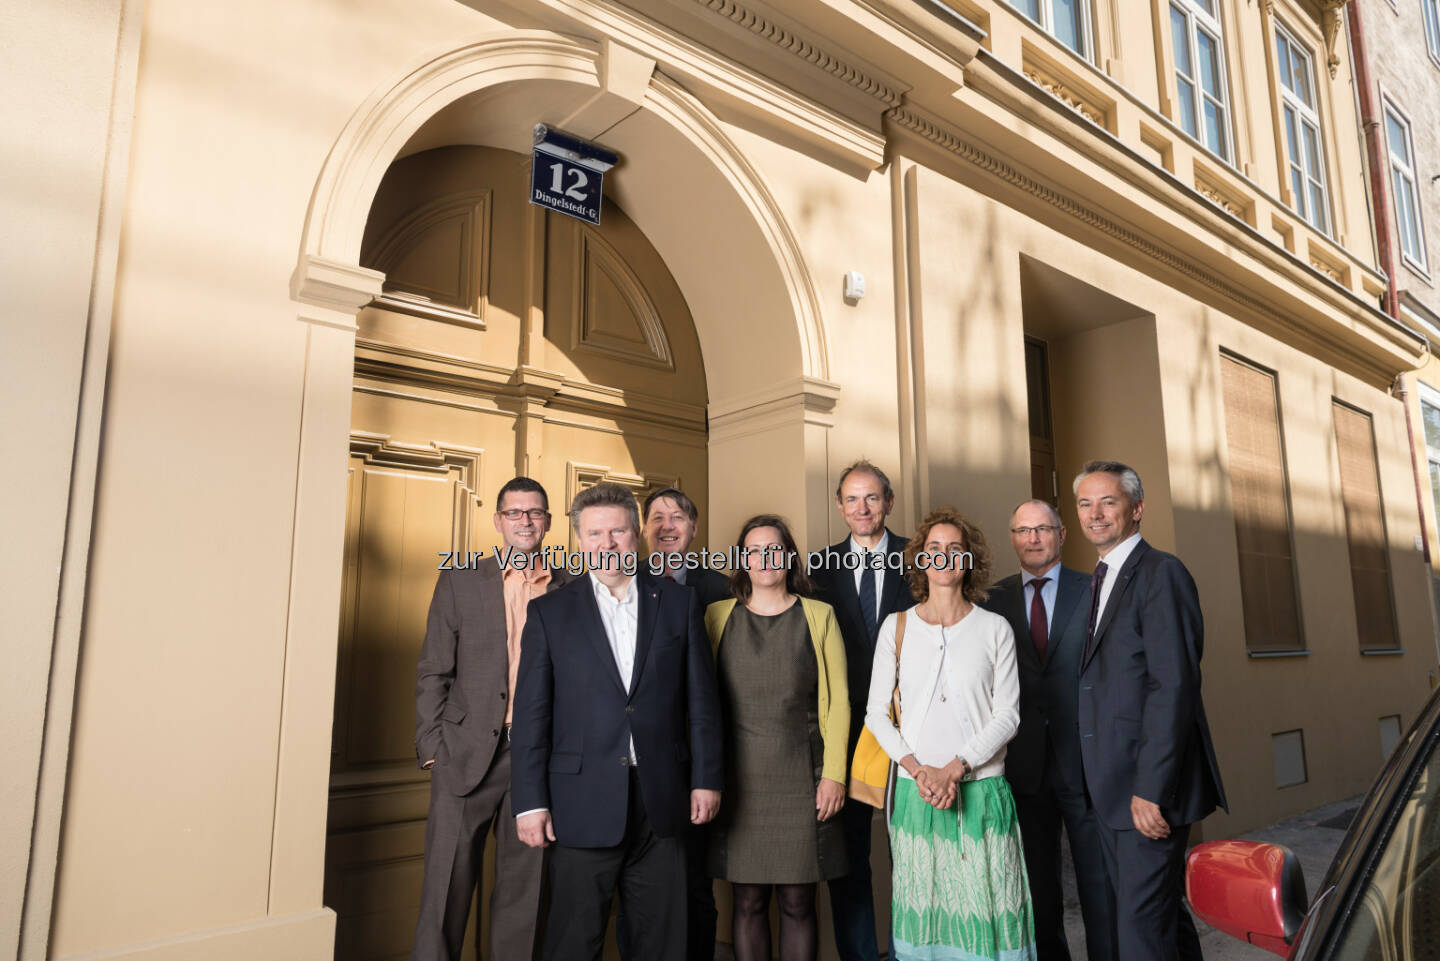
{"points": [[445, 411]]}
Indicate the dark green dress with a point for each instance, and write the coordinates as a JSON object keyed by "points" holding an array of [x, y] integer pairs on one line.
{"points": [[767, 831]]}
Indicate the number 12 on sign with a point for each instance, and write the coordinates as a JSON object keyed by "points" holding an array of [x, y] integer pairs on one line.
{"points": [[566, 187]]}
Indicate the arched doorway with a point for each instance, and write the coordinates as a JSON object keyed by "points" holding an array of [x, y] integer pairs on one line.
{"points": [[508, 340], [700, 203]]}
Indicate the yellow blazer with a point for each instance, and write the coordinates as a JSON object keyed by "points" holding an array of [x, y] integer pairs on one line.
{"points": [[834, 708]]}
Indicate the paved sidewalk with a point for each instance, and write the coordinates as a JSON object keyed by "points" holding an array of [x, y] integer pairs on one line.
{"points": [[1314, 837]]}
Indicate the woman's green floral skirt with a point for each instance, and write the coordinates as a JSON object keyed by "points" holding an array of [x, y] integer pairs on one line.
{"points": [[960, 891]]}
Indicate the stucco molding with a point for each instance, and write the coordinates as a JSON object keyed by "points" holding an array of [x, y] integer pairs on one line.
{"points": [[445, 377], [811, 53], [336, 288], [1330, 11], [1373, 348], [676, 105], [807, 400], [375, 134]]}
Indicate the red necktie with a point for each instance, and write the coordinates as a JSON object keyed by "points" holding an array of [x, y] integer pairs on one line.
{"points": [[1039, 631]]}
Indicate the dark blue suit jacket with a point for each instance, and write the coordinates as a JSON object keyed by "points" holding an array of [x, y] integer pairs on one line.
{"points": [[573, 718], [1049, 692], [835, 585], [1142, 723]]}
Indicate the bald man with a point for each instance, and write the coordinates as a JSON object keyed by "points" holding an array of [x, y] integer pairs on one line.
{"points": [[1047, 605]]}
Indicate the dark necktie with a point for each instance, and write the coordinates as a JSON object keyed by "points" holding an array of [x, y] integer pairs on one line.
{"points": [[1097, 581], [1039, 629], [867, 596]]}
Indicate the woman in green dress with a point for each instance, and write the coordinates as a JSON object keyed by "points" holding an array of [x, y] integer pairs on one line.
{"points": [[959, 890], [780, 663]]}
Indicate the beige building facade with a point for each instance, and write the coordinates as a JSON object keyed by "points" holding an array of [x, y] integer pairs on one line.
{"points": [[287, 323], [1404, 100]]}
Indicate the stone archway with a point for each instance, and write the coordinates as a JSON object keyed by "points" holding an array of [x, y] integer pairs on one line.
{"points": [[751, 296]]}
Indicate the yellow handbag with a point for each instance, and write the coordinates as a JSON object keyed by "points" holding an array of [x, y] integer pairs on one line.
{"points": [[871, 770]]}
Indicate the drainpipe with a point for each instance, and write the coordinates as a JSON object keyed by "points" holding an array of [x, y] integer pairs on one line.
{"points": [[1385, 250]]}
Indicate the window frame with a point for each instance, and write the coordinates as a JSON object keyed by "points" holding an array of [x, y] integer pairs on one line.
{"points": [[1430, 14], [1046, 22], [1197, 18], [1302, 204], [1388, 109], [1430, 397]]}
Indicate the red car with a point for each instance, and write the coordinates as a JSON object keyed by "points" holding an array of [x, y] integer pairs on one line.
{"points": [[1380, 900]]}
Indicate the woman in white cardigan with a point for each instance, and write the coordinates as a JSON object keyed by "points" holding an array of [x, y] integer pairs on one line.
{"points": [[959, 885]]}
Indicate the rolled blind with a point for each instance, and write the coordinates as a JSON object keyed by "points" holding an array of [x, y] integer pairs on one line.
{"points": [[1262, 510], [1365, 528]]}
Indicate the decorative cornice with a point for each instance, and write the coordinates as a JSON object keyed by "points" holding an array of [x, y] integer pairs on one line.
{"points": [[1328, 270], [803, 49], [1003, 171], [1065, 95], [1219, 199]]}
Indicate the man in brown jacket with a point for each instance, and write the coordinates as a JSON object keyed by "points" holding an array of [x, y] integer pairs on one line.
{"points": [[463, 701]]}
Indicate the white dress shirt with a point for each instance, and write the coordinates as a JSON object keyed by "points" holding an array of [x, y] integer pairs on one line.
{"points": [[621, 619], [880, 572], [1114, 560], [1048, 592]]}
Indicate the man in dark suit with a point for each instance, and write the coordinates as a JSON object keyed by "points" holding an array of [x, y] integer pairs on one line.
{"points": [[463, 697], [863, 578], [617, 740], [1047, 605], [1145, 745], [671, 520]]}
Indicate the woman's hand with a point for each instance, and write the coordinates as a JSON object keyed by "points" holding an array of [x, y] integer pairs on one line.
{"points": [[829, 798], [956, 770], [935, 788]]}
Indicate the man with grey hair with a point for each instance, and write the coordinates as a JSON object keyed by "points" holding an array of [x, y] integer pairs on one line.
{"points": [[616, 741], [1145, 746], [1046, 605]]}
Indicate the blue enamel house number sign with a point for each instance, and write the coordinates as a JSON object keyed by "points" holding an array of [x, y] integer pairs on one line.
{"points": [[567, 174]]}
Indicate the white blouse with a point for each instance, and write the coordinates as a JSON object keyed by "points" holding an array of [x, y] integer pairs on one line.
{"points": [[980, 710]]}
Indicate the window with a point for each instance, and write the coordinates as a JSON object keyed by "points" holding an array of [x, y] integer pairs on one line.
{"points": [[1431, 9], [1365, 529], [1304, 161], [1200, 73], [1263, 534], [1403, 183], [1430, 418], [1066, 20]]}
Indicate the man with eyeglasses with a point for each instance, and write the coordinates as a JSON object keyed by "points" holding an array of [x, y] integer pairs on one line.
{"points": [[1047, 605], [463, 708]]}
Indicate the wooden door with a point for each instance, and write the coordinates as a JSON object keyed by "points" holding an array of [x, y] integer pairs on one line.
{"points": [[509, 340]]}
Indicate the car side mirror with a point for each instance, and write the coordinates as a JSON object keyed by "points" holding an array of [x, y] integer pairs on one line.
{"points": [[1251, 891]]}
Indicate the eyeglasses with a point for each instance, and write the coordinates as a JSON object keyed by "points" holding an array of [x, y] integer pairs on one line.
{"points": [[514, 514], [1042, 530]]}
